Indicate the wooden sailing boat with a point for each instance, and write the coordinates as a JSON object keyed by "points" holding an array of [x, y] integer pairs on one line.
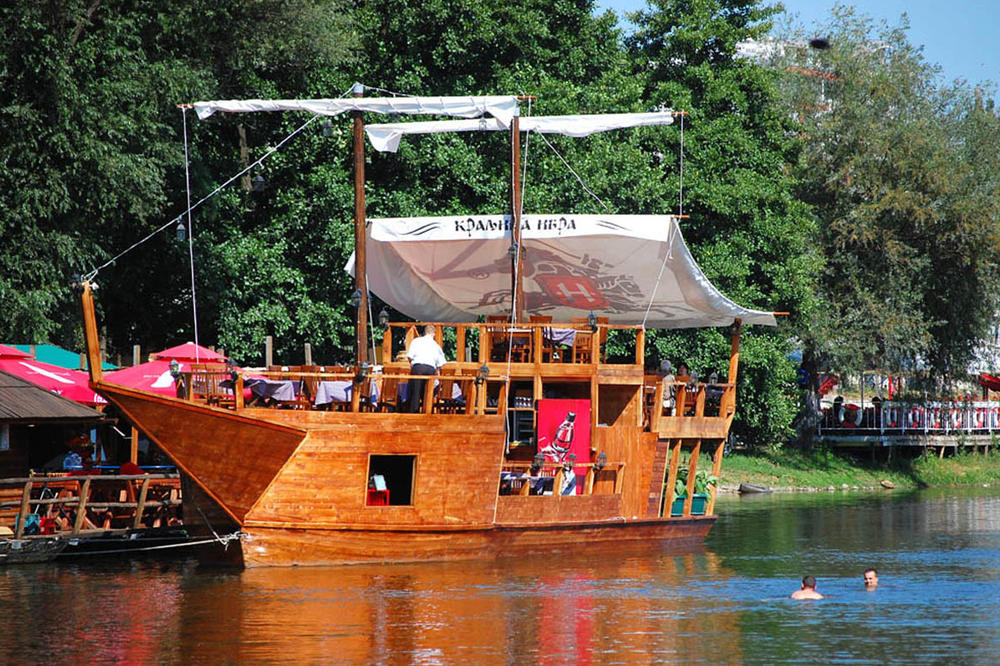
{"points": [[480, 470]]}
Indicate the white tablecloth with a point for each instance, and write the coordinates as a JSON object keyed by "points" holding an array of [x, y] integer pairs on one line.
{"points": [[283, 390], [340, 391]]}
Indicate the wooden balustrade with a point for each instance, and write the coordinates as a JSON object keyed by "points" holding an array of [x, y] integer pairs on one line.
{"points": [[76, 493]]}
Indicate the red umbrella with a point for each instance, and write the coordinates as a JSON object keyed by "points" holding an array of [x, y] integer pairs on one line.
{"points": [[70, 384], [12, 352], [153, 376], [189, 351]]}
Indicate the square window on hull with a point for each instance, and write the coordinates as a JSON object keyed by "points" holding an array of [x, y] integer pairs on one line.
{"points": [[390, 480]]}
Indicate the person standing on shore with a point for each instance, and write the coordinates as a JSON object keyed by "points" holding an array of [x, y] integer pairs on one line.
{"points": [[808, 590]]}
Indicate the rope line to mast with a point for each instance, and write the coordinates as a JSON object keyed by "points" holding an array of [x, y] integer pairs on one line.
{"points": [[670, 238], [575, 174], [198, 203], [187, 189]]}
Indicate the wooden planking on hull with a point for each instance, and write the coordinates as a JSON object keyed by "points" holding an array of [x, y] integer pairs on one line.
{"points": [[306, 547], [456, 471], [212, 446]]}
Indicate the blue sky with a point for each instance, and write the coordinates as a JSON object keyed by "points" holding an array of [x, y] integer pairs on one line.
{"points": [[959, 35]]}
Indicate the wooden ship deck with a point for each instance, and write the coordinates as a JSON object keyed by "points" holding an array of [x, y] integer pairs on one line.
{"points": [[295, 479]]}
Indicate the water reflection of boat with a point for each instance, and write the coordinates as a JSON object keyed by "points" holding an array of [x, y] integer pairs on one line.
{"points": [[363, 482]]}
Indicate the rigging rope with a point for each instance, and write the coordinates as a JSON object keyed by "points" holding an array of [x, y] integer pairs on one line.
{"points": [[187, 187], [582, 184], [175, 220], [670, 239]]}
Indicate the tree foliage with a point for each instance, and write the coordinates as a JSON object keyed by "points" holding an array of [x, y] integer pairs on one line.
{"points": [[896, 169], [749, 233], [892, 194]]}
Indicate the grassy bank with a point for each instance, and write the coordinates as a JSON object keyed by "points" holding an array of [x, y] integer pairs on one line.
{"points": [[822, 468]]}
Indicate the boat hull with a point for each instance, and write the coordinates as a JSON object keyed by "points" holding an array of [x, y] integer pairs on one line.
{"points": [[274, 546]]}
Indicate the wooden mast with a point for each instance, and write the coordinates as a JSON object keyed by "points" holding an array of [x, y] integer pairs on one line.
{"points": [[517, 252], [90, 337], [360, 252]]}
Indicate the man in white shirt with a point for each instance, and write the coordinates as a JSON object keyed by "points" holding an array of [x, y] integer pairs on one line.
{"points": [[426, 358]]}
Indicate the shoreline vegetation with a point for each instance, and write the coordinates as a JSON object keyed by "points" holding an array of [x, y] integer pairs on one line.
{"points": [[820, 468]]}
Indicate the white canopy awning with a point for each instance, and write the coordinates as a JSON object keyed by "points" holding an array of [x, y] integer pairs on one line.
{"points": [[385, 136], [503, 107], [458, 268]]}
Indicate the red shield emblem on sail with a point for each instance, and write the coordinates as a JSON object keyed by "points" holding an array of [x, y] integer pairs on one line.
{"points": [[575, 291]]}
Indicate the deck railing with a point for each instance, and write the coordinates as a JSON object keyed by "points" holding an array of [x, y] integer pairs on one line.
{"points": [[524, 478], [129, 499], [900, 418]]}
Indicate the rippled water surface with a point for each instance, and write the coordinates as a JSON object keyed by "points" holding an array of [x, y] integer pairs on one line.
{"points": [[938, 556]]}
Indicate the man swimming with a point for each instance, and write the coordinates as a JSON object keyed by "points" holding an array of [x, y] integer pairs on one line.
{"points": [[871, 579], [808, 590]]}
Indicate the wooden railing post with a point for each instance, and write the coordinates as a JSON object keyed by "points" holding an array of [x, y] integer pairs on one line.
{"points": [[24, 510], [141, 504], [692, 472], [716, 470], [81, 505]]}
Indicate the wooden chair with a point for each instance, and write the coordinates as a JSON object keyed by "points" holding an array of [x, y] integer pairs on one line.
{"points": [[603, 333], [583, 342], [550, 353], [498, 335], [206, 383], [388, 400]]}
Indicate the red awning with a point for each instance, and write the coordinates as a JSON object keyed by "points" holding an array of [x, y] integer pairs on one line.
{"points": [[71, 384], [153, 376], [189, 351], [12, 352], [991, 382]]}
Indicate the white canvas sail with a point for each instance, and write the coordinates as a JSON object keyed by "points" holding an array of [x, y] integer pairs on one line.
{"points": [[502, 107], [457, 268], [385, 137]]}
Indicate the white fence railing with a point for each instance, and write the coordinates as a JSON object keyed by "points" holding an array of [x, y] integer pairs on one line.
{"points": [[891, 418]]}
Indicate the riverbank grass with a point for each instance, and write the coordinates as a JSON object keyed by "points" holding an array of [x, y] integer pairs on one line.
{"points": [[822, 468]]}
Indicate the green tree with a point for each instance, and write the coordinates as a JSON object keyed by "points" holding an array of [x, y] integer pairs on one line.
{"points": [[91, 151], [898, 168], [747, 230]]}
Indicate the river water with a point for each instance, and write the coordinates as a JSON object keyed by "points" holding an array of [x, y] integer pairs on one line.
{"points": [[937, 552]]}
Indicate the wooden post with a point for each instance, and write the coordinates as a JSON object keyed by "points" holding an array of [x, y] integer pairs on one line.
{"points": [[133, 449], [640, 347], [140, 504], [90, 333], [24, 510], [675, 460], [268, 351], [557, 482], [238, 392], [308, 354], [81, 506], [692, 471], [428, 405], [656, 410], [460, 343], [387, 346], [716, 470], [360, 251]]}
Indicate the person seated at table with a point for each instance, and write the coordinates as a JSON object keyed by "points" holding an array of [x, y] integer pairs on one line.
{"points": [[426, 358], [669, 390]]}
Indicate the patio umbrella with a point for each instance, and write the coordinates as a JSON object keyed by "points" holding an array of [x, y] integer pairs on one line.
{"points": [[153, 376], [71, 384], [189, 351]]}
